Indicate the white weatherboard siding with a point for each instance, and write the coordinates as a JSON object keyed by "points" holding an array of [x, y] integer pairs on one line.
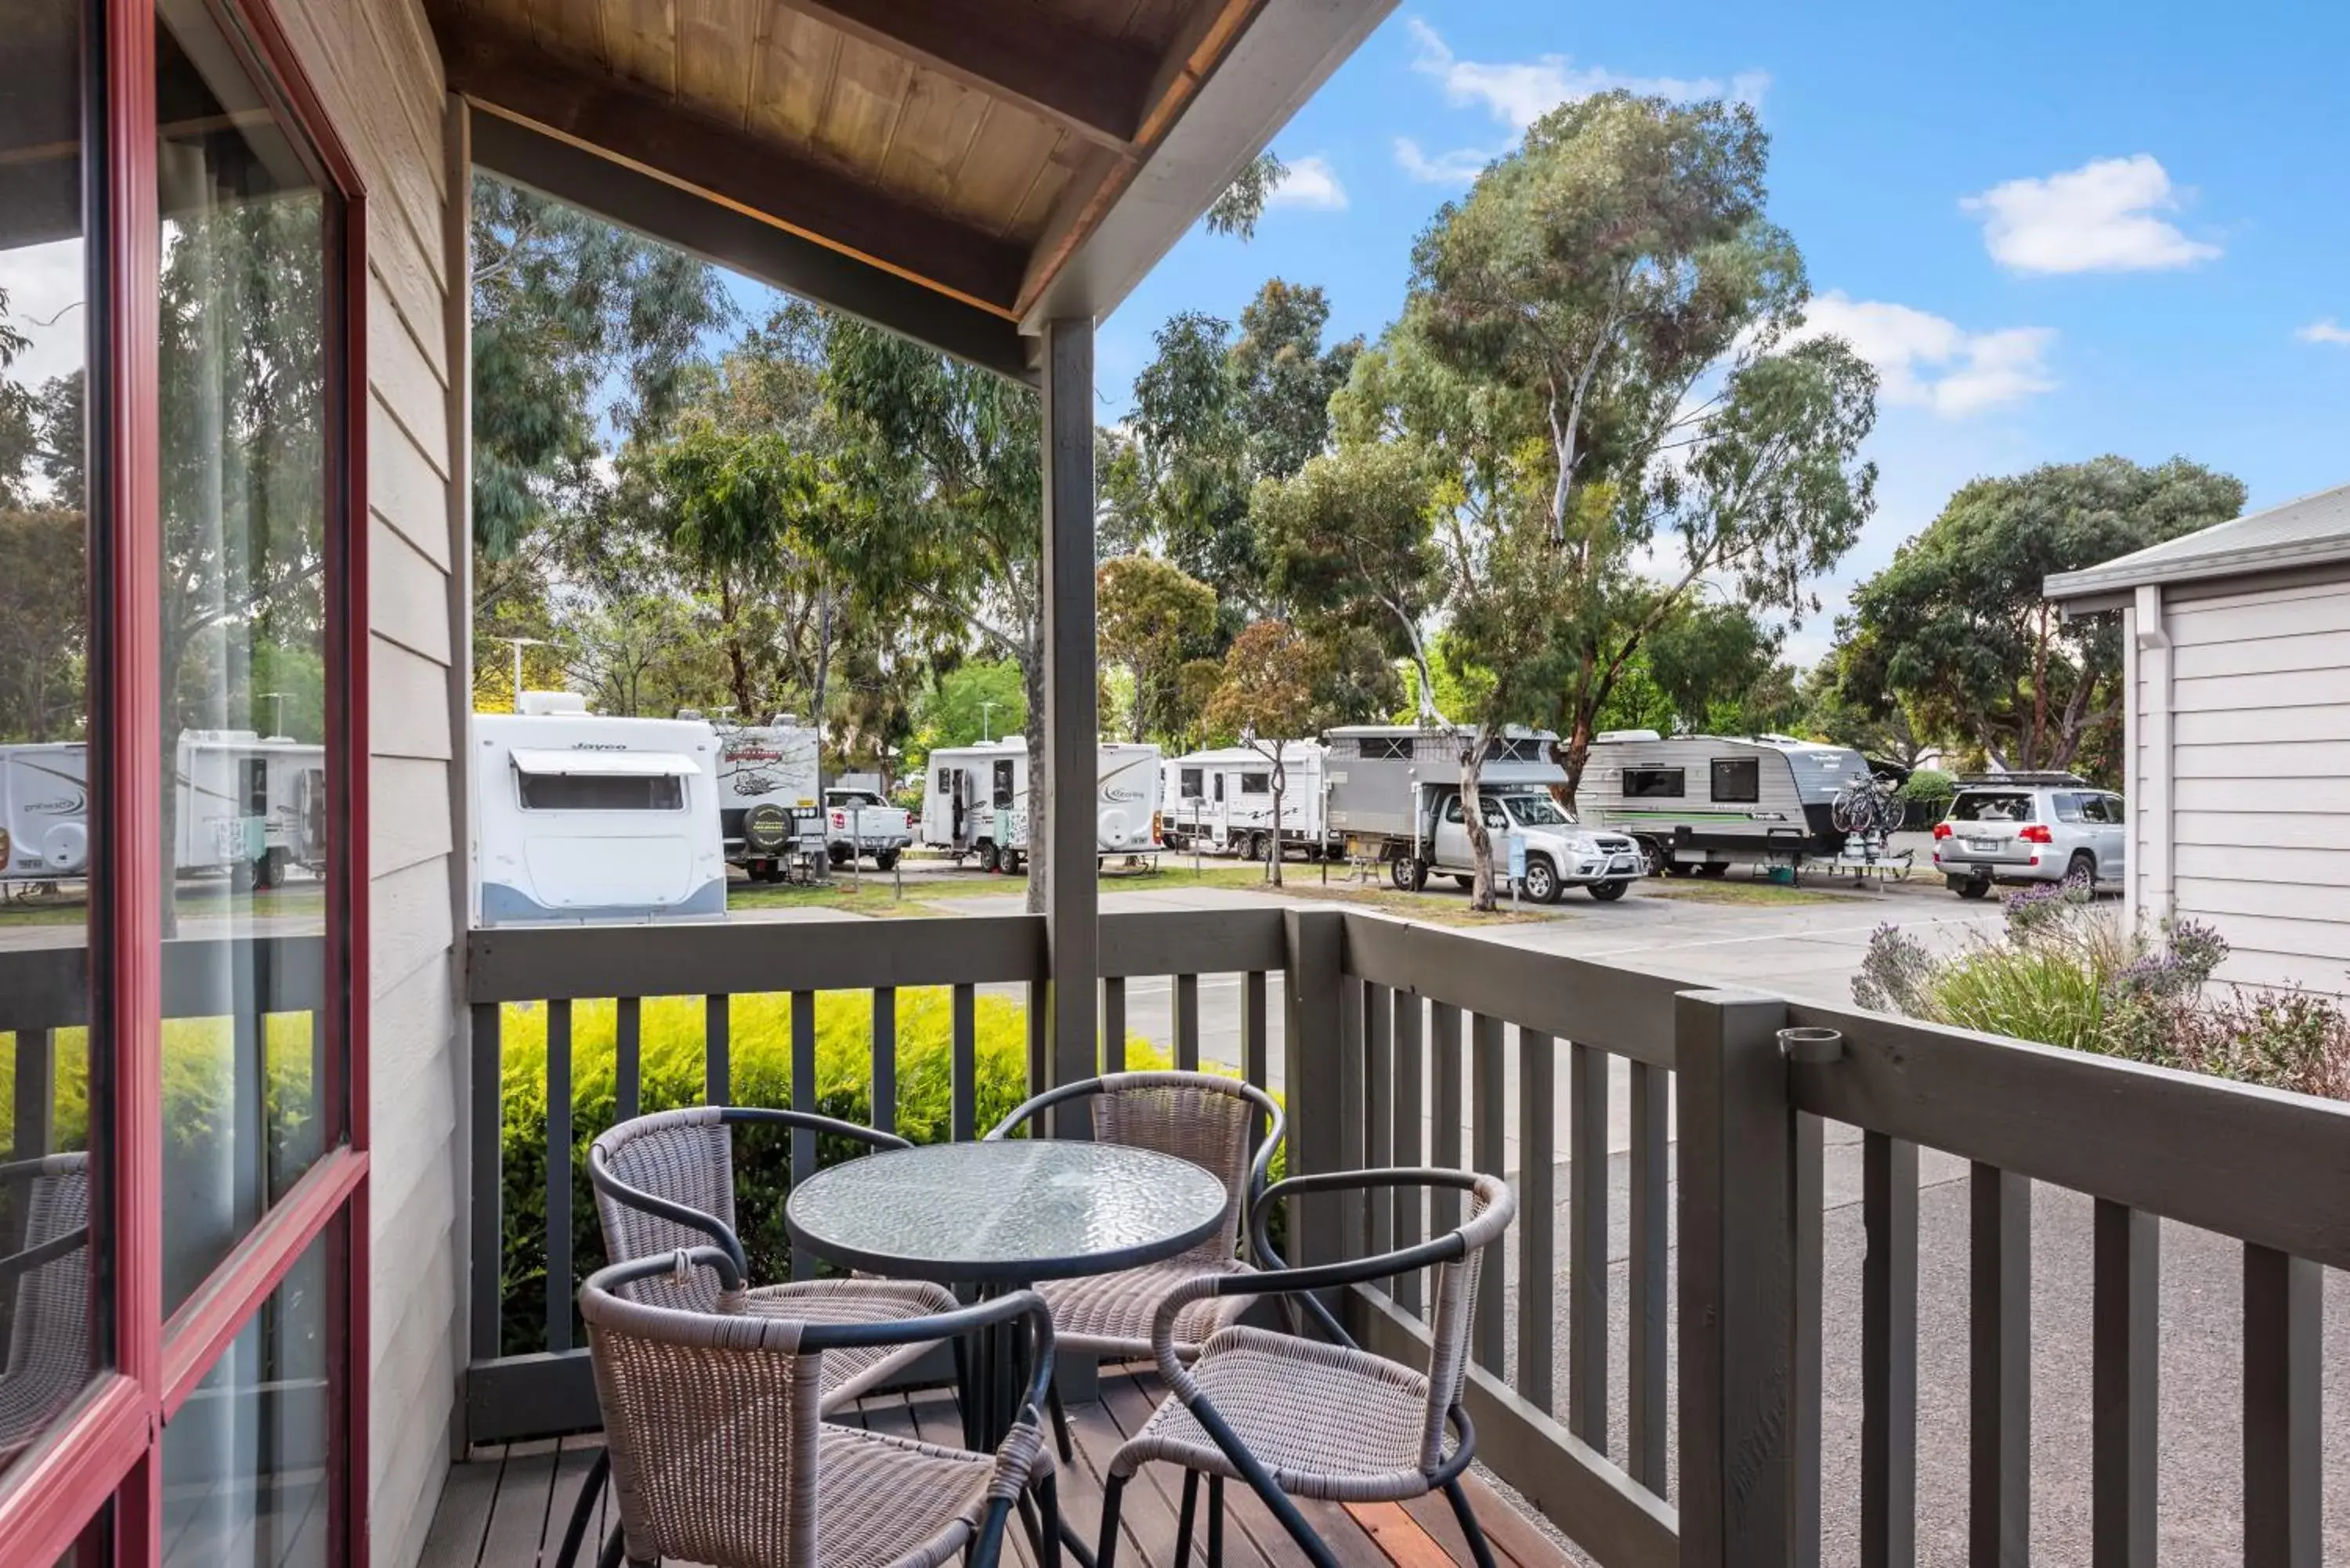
{"points": [[2258, 814], [375, 66]]}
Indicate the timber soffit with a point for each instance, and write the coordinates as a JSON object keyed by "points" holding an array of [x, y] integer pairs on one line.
{"points": [[1129, 137]]}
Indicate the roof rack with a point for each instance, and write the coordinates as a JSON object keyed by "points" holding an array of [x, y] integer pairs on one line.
{"points": [[2025, 780]]}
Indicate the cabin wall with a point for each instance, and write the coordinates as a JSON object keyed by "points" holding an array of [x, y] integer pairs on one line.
{"points": [[375, 65], [2247, 827]]}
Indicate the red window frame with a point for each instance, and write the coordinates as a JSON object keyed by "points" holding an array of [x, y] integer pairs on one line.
{"points": [[106, 1451]]}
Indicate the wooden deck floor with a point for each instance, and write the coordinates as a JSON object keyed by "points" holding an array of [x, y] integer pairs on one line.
{"points": [[508, 1509]]}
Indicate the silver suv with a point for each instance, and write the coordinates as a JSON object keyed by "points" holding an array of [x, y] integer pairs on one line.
{"points": [[2031, 827]]}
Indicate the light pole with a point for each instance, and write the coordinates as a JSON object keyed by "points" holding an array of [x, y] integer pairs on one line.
{"points": [[987, 734], [276, 711], [519, 644]]}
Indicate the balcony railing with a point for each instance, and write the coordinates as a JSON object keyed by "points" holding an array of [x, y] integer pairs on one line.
{"points": [[1394, 1043]]}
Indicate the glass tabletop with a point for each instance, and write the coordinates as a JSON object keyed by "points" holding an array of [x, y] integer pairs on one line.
{"points": [[1011, 1211]]}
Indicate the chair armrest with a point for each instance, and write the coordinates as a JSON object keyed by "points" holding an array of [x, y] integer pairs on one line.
{"points": [[1261, 1210], [809, 1121], [613, 1276], [721, 1235], [954, 1324]]}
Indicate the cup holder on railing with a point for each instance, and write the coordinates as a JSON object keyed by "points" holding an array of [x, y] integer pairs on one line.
{"points": [[1811, 1044]]}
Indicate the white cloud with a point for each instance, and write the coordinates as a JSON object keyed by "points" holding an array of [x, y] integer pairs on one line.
{"points": [[1517, 93], [1928, 361], [2100, 217], [2327, 331], [1310, 184], [45, 284], [1459, 167]]}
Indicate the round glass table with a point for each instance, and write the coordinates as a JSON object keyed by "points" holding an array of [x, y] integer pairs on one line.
{"points": [[1002, 1215]]}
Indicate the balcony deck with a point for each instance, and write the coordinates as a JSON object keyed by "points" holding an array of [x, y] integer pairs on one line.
{"points": [[508, 1508]]}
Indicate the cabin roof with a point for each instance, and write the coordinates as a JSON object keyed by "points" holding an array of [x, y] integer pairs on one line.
{"points": [[959, 170], [2312, 531]]}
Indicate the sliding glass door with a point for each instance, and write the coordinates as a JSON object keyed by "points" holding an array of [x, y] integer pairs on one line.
{"points": [[182, 805]]}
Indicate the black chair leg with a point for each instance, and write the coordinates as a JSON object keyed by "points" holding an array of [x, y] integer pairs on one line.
{"points": [[1112, 1494], [583, 1511], [1060, 1423], [1183, 1519], [1478, 1548], [1215, 1522], [1048, 1492]]}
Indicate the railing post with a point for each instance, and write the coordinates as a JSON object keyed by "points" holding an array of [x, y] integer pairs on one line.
{"points": [[1738, 1242], [1313, 1070]]}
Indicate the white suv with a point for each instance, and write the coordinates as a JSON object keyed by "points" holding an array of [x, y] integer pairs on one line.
{"points": [[2031, 827]]}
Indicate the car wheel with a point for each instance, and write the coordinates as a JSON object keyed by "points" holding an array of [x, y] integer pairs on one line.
{"points": [[269, 871], [2082, 872], [1972, 889], [1608, 892], [1014, 863], [1407, 875], [1541, 881], [1257, 844], [886, 861], [987, 860], [1652, 858]]}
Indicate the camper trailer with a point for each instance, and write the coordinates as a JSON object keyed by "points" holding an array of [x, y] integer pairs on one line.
{"points": [[1223, 799], [769, 809], [977, 802], [1700, 803], [583, 819], [248, 805], [1395, 796], [44, 812]]}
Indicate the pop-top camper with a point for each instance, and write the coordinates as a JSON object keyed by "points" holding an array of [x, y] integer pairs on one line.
{"points": [[977, 801], [1699, 804], [1223, 798], [249, 806], [1395, 796], [768, 794], [579, 817], [44, 811]]}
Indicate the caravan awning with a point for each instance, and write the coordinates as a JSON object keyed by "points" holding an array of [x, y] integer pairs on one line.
{"points": [[604, 765]]}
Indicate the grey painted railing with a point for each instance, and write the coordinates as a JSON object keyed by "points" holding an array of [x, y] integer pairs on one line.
{"points": [[1401, 1043]]}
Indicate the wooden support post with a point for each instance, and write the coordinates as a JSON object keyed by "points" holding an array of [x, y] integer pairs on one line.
{"points": [[1311, 1073], [1072, 943], [1737, 1284]]}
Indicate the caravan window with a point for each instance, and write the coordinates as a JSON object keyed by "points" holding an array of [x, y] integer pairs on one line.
{"points": [[1653, 783], [1737, 781], [601, 791], [1256, 783], [946, 783], [1387, 748], [1003, 784], [1189, 786], [1220, 789]]}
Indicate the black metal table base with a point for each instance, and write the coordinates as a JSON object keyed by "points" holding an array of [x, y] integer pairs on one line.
{"points": [[993, 1377]]}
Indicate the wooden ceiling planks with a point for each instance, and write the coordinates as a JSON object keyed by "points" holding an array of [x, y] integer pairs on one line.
{"points": [[935, 132], [796, 78], [714, 56], [640, 40], [1011, 152], [868, 90]]}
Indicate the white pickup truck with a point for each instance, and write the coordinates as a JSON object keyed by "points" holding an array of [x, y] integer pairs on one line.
{"points": [[858, 822]]}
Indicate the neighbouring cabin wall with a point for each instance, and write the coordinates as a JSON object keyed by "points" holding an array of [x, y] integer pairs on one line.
{"points": [[375, 65], [2259, 825]]}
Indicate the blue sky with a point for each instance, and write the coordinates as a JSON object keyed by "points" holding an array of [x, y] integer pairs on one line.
{"points": [[2058, 231]]}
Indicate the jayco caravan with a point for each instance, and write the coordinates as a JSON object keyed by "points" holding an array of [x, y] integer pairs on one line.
{"points": [[1699, 803], [44, 811], [767, 795], [977, 802], [1223, 798], [579, 817], [249, 806]]}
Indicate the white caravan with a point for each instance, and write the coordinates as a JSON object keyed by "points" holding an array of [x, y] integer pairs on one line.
{"points": [[580, 818], [44, 811], [249, 806], [767, 794], [1223, 798], [1698, 803], [977, 802]]}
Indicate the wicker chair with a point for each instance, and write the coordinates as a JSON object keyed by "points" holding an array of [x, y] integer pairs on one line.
{"points": [[667, 1180], [719, 1454], [1197, 1117], [1330, 1420], [48, 1340]]}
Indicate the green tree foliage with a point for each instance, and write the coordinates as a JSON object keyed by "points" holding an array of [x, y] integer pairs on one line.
{"points": [[1152, 617], [1710, 669], [1266, 701], [1606, 320], [1960, 629], [578, 326], [1215, 412], [1237, 211]]}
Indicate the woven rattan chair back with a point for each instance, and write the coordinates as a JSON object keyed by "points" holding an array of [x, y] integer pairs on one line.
{"points": [[711, 1423], [1191, 1116], [48, 1339], [686, 1156], [1489, 1207]]}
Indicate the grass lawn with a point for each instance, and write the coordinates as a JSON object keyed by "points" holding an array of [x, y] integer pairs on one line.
{"points": [[877, 896], [1725, 890], [1300, 880], [212, 901]]}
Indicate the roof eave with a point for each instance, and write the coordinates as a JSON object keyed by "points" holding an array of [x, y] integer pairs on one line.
{"points": [[2071, 590]]}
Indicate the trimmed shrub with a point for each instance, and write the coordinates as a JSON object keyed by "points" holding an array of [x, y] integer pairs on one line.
{"points": [[1929, 792]]}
